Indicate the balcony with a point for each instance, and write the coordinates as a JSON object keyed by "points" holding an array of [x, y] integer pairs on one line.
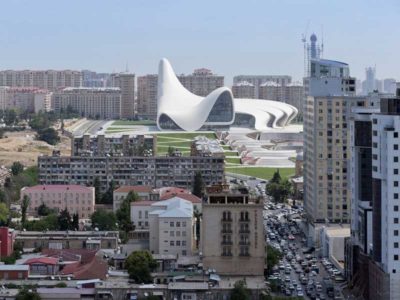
{"points": [[244, 220], [244, 254], [227, 243], [226, 230], [244, 230], [226, 254], [226, 220], [244, 243]]}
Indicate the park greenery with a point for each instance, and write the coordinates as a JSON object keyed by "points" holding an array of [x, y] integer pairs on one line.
{"points": [[104, 220], [273, 257], [140, 264], [279, 189], [198, 185], [240, 291], [123, 214]]}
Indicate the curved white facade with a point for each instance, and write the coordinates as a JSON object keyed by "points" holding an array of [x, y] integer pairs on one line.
{"points": [[179, 109]]}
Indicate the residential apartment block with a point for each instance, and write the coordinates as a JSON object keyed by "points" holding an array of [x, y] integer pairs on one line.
{"points": [[25, 99], [232, 232], [133, 170], [95, 103], [43, 79], [147, 87], [243, 89], [202, 82], [126, 145], [77, 199], [171, 226], [126, 83], [258, 80]]}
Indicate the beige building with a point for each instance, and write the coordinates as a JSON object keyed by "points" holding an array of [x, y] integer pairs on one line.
{"points": [[96, 103], [77, 199], [24, 99], [232, 232], [126, 83], [44, 79], [244, 89], [147, 96], [327, 157], [144, 192], [201, 82], [171, 226]]}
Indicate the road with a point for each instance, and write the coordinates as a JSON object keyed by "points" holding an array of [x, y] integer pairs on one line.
{"points": [[278, 229], [89, 127]]}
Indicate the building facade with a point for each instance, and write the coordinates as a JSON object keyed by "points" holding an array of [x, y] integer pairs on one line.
{"points": [[171, 227], [147, 96], [100, 145], [244, 89], [43, 79], [232, 232], [134, 170], [25, 99], [126, 83], [77, 199], [202, 82], [145, 193], [94, 103], [258, 80]]}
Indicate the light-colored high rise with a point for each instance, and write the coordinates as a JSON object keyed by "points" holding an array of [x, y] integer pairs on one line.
{"points": [[96, 103], [258, 80], [243, 89], [24, 99], [45, 79], [126, 83], [147, 96], [232, 232], [202, 82]]}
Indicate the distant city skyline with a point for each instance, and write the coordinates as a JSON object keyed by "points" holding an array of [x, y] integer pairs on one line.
{"points": [[229, 37]]}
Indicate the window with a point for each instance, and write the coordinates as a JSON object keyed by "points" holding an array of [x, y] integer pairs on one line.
{"points": [[396, 245], [396, 196], [171, 224], [396, 220], [396, 208], [396, 233], [184, 243], [396, 257], [395, 171], [183, 233], [171, 233], [178, 224], [395, 183], [396, 159], [184, 224], [178, 243], [171, 243], [395, 147], [395, 134]]}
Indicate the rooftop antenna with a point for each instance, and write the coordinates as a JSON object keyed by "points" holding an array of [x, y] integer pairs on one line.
{"points": [[322, 41], [304, 41], [126, 67]]}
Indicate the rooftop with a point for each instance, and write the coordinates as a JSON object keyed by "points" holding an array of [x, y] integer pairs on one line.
{"points": [[58, 188], [14, 268], [173, 208], [134, 188]]}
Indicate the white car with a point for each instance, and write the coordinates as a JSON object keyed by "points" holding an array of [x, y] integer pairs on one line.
{"points": [[300, 294]]}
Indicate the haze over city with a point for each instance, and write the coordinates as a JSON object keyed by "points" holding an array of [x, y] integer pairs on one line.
{"points": [[229, 37]]}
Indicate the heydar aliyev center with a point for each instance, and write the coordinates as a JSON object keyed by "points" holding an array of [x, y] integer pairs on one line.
{"points": [[179, 109]]}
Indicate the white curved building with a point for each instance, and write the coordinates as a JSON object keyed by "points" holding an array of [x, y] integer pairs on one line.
{"points": [[179, 109]]}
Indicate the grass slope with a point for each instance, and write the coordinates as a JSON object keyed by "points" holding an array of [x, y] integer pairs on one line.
{"points": [[260, 172]]}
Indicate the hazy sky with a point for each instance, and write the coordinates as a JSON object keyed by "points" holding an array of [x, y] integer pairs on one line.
{"points": [[230, 37]]}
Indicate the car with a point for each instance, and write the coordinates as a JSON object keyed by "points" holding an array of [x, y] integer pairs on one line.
{"points": [[288, 292], [300, 294], [291, 287], [299, 288]]}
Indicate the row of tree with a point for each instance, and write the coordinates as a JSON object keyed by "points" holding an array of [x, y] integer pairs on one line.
{"points": [[279, 189]]}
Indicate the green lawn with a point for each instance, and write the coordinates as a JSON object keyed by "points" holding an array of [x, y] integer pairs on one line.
{"points": [[226, 147], [233, 160], [260, 172], [131, 122], [231, 153], [187, 135]]}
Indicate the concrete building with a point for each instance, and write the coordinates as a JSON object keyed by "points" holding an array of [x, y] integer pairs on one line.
{"points": [[43, 79], [171, 225], [145, 193], [95, 103], [24, 99], [147, 96], [90, 240], [202, 82], [94, 79], [129, 170], [6, 241], [333, 244], [101, 145], [258, 80], [232, 232], [126, 83], [270, 90], [76, 198], [243, 89], [14, 272]]}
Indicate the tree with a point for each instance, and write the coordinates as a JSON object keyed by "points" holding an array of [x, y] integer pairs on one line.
{"points": [[171, 151], [24, 209], [140, 264], [107, 197], [279, 189], [198, 185], [75, 221], [104, 220], [26, 294], [97, 193], [240, 291], [43, 210], [3, 214], [123, 214], [65, 220], [17, 168], [49, 222], [48, 135], [276, 178], [273, 257], [2, 196], [10, 117]]}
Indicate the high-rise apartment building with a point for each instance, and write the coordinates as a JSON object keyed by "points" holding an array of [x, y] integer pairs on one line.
{"points": [[232, 232], [25, 99], [201, 82], [243, 89], [96, 103], [389, 85], [270, 90], [94, 79], [46, 79], [126, 83], [258, 80], [147, 96]]}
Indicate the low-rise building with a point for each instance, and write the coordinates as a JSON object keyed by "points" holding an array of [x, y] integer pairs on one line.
{"points": [[171, 226], [77, 199], [6, 241], [91, 240], [43, 265], [14, 272], [145, 193], [203, 146], [126, 145]]}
